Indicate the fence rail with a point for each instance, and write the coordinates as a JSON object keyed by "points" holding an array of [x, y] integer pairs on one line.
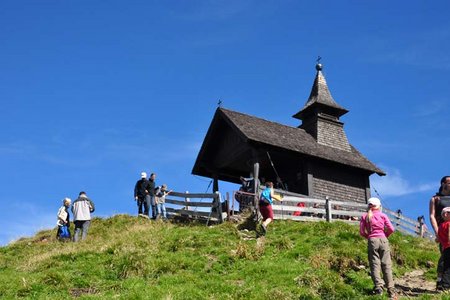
{"points": [[302, 208], [182, 205]]}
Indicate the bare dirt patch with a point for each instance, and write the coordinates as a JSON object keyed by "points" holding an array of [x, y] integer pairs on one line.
{"points": [[414, 284]]}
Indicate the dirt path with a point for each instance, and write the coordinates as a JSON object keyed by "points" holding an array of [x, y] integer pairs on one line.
{"points": [[414, 284]]}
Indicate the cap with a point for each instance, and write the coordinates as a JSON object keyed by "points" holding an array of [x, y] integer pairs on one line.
{"points": [[445, 210], [374, 201], [143, 175]]}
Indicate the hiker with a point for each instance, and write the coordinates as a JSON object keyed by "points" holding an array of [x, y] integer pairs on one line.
{"points": [[444, 240], [160, 199], [63, 222], [265, 205], [151, 191], [376, 227], [249, 184], [142, 195], [246, 195], [82, 209], [437, 203]]}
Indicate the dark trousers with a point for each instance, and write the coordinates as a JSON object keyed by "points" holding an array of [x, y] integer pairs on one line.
{"points": [[446, 271], [143, 202]]}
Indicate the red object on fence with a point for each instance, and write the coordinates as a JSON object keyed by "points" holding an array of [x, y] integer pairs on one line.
{"points": [[299, 212]]}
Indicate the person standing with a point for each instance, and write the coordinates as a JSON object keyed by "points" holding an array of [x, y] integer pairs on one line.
{"points": [[444, 240], [151, 191], [63, 221], [437, 203], [160, 198], [376, 227], [142, 195], [265, 205], [82, 208]]}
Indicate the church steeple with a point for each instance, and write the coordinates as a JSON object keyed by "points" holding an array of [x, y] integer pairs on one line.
{"points": [[320, 115]]}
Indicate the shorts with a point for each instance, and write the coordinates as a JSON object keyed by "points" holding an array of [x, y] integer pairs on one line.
{"points": [[266, 211]]}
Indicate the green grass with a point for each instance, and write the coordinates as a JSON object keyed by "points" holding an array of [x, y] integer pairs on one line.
{"points": [[132, 258]]}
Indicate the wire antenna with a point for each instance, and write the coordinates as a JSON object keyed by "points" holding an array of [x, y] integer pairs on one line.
{"points": [[275, 170]]}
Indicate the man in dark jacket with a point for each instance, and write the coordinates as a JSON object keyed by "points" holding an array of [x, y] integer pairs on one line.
{"points": [[142, 194]]}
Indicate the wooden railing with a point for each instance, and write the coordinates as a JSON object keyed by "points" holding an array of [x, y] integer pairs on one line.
{"points": [[302, 208], [195, 206]]}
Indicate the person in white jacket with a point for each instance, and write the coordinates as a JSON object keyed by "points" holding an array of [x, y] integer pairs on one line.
{"points": [[82, 208]]}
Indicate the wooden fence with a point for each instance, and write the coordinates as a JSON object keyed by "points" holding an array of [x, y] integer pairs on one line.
{"points": [[205, 207], [302, 208]]}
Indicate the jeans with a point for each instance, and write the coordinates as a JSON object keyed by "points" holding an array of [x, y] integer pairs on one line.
{"points": [[153, 203], [82, 226], [162, 210]]}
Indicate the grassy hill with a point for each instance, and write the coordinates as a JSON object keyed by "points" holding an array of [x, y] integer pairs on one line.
{"points": [[126, 257]]}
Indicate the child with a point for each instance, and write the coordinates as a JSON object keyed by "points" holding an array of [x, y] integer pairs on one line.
{"points": [[265, 205], [376, 227], [63, 221], [444, 240], [160, 198]]}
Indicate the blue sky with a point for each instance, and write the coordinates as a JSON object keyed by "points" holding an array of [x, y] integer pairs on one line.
{"points": [[93, 92]]}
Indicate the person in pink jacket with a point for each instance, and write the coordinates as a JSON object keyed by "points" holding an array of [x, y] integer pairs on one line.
{"points": [[376, 227]]}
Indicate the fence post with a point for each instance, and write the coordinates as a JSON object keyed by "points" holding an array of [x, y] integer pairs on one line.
{"points": [[399, 215], [256, 191], [219, 207], [328, 209], [228, 206], [421, 227], [187, 200]]}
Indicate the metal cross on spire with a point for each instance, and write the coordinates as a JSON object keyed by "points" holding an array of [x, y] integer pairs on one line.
{"points": [[318, 65], [219, 104]]}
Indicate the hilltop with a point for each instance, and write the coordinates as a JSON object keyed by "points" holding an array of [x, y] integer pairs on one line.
{"points": [[126, 257]]}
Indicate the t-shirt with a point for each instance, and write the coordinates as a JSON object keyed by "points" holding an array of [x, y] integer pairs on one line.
{"points": [[443, 234]]}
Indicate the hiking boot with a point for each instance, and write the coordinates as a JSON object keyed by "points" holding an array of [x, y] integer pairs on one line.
{"points": [[264, 229], [439, 286], [377, 291]]}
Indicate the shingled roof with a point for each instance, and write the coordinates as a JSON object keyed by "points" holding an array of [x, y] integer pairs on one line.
{"points": [[320, 96], [293, 139]]}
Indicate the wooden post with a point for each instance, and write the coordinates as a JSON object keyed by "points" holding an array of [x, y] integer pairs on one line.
{"points": [[399, 216], [421, 228], [215, 184], [218, 206], [328, 209], [227, 201], [255, 181], [187, 200], [232, 205]]}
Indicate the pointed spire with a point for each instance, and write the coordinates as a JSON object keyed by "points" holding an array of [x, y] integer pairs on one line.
{"points": [[320, 97], [320, 115]]}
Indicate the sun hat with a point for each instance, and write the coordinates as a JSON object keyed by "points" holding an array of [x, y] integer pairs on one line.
{"points": [[445, 210], [374, 201]]}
